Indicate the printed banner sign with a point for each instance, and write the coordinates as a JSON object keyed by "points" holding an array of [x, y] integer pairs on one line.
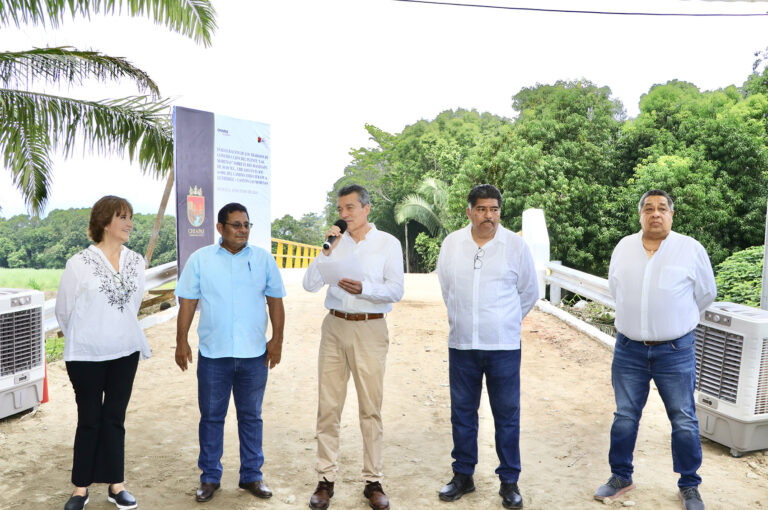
{"points": [[219, 160]]}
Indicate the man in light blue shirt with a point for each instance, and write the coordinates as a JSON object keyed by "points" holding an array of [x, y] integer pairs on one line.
{"points": [[235, 284]]}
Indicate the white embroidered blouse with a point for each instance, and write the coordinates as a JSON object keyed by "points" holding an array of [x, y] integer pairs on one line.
{"points": [[97, 307]]}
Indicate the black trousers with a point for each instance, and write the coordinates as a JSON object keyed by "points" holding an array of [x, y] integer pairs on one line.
{"points": [[102, 392]]}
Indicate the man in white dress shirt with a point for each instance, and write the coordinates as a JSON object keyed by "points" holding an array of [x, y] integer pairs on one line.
{"points": [[661, 281], [354, 339], [488, 279]]}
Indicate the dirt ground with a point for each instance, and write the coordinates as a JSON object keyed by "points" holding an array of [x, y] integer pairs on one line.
{"points": [[567, 406]]}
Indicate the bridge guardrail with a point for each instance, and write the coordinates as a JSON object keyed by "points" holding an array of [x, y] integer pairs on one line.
{"points": [[154, 277], [288, 254], [587, 285]]}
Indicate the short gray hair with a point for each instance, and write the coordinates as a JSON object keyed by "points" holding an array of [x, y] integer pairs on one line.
{"points": [[362, 193], [658, 193]]}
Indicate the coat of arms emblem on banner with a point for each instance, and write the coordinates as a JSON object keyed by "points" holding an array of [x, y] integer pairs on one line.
{"points": [[196, 206]]}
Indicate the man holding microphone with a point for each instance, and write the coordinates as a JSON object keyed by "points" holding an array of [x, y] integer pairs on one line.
{"points": [[354, 340]]}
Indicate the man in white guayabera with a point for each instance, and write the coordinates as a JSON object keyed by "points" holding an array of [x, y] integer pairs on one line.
{"points": [[661, 281], [488, 280]]}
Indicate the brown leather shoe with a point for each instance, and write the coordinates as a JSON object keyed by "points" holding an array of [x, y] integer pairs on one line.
{"points": [[321, 499], [257, 488], [376, 497], [205, 491]]}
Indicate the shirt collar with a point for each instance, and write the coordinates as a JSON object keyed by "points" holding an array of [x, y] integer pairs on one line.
{"points": [[244, 250], [497, 237], [368, 235]]}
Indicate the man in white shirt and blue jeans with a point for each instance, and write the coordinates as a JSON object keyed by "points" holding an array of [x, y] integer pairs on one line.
{"points": [[488, 280], [354, 340], [661, 281]]}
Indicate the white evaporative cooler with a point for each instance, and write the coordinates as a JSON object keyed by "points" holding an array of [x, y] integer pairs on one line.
{"points": [[732, 376], [22, 350]]}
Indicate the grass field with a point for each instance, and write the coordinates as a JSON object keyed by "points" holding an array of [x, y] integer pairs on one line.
{"points": [[38, 279]]}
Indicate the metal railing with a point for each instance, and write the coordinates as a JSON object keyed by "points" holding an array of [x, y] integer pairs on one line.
{"points": [[559, 277], [154, 277], [289, 254]]}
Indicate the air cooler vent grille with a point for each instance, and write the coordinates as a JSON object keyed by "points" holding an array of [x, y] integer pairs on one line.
{"points": [[761, 402], [20, 346], [718, 361]]}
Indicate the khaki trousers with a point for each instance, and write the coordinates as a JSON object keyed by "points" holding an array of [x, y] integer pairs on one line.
{"points": [[359, 348]]}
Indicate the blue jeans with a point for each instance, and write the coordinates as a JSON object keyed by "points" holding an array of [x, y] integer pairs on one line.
{"points": [[672, 366], [217, 379], [502, 379]]}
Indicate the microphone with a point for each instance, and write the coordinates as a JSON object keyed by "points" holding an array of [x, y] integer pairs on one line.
{"points": [[342, 226]]}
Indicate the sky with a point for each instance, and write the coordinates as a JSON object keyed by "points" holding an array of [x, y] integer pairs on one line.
{"points": [[318, 72]]}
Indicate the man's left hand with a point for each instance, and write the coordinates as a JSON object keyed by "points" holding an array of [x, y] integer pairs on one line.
{"points": [[274, 352], [351, 286]]}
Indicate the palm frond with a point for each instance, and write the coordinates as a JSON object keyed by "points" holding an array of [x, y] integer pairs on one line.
{"points": [[32, 125], [436, 191], [192, 18], [66, 64], [416, 208], [27, 155]]}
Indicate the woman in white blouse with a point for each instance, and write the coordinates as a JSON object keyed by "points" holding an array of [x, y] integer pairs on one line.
{"points": [[97, 306]]}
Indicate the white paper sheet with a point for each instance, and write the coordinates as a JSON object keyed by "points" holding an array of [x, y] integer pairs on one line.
{"points": [[334, 270]]}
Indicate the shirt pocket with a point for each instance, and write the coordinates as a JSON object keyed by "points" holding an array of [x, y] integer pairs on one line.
{"points": [[673, 277]]}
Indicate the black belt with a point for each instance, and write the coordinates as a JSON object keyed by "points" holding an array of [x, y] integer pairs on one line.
{"points": [[656, 343]]}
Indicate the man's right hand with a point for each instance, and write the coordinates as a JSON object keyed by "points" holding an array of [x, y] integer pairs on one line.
{"points": [[183, 355], [334, 231]]}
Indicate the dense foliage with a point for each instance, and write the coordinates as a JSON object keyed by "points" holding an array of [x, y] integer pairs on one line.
{"points": [[309, 229], [572, 152], [47, 243], [739, 277]]}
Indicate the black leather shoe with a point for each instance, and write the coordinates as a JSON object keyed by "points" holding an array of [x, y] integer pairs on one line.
{"points": [[459, 485], [123, 499], [77, 502], [510, 495], [205, 491], [257, 488]]}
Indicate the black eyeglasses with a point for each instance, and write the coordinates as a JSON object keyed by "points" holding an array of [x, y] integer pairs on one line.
{"points": [[479, 258], [237, 225]]}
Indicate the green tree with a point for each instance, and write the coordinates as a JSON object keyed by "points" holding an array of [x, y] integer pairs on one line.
{"points": [[701, 208], [739, 277], [397, 163], [428, 207], [34, 124], [720, 138], [309, 229]]}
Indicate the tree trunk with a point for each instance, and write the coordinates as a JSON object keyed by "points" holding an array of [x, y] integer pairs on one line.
{"points": [[407, 262], [159, 217]]}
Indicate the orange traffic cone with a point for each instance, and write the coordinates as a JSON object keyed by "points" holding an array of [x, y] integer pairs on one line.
{"points": [[45, 386]]}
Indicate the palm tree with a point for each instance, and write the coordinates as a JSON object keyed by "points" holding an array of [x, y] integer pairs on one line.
{"points": [[428, 206], [34, 124]]}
